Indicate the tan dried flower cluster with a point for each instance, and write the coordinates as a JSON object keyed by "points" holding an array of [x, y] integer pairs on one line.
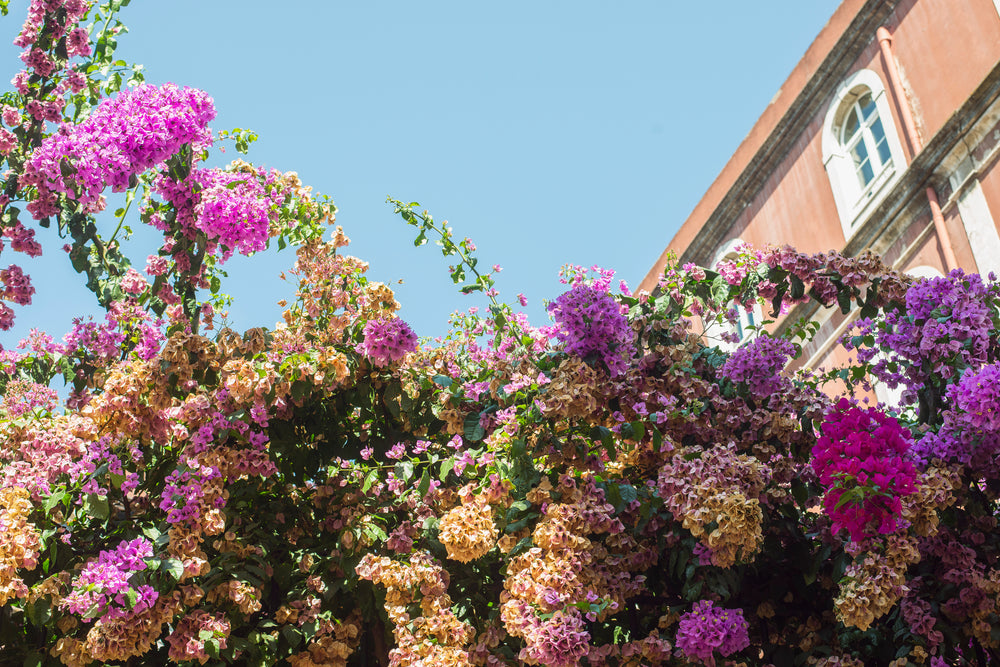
{"points": [[468, 531], [873, 585], [717, 488], [437, 636], [19, 542], [933, 493], [118, 639], [738, 520], [575, 390], [245, 596], [568, 566]]}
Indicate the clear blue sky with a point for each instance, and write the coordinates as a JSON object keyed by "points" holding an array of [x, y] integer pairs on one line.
{"points": [[549, 131]]}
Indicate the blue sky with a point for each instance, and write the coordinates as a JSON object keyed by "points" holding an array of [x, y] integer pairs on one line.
{"points": [[550, 132]]}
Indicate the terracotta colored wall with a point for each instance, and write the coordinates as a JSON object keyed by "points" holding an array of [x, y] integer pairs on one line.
{"points": [[989, 181], [944, 49]]}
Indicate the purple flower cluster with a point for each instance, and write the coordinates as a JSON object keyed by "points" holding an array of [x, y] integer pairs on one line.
{"points": [[591, 324], [758, 364], [122, 138], [970, 432], [707, 628], [859, 459], [387, 341], [104, 588], [945, 327], [184, 493]]}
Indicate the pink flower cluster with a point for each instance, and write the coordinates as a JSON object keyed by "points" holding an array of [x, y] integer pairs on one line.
{"points": [[592, 326], [387, 341], [125, 136], [233, 207], [707, 629], [126, 326], [104, 588], [21, 397], [69, 11], [758, 364], [183, 491], [859, 459]]}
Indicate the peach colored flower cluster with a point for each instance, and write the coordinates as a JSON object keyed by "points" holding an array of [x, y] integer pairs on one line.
{"points": [[331, 650], [19, 542], [566, 568], [718, 487], [437, 636], [468, 531], [245, 596]]}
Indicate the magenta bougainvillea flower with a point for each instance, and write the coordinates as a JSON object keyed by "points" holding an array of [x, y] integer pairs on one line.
{"points": [[860, 459], [122, 138], [758, 364]]}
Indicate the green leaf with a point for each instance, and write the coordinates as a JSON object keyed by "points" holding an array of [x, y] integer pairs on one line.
{"points": [[425, 483], [291, 635], [53, 500], [97, 506], [443, 380], [404, 470], [369, 480], [446, 467], [174, 568], [798, 287], [473, 430]]}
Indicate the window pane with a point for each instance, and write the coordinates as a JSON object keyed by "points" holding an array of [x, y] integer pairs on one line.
{"points": [[878, 134], [867, 105], [859, 153], [850, 125], [865, 173]]}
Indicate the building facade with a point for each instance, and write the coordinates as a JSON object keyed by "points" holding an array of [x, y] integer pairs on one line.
{"points": [[885, 137]]}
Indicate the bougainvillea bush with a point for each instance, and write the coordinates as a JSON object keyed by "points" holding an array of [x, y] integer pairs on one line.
{"points": [[612, 488]]}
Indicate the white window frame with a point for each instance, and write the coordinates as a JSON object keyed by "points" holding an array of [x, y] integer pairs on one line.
{"points": [[854, 203]]}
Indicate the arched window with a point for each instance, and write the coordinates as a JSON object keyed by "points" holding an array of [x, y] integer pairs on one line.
{"points": [[861, 149]]}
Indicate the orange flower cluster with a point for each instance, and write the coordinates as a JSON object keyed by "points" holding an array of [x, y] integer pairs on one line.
{"points": [[245, 596], [19, 542], [575, 390], [934, 492], [437, 636], [332, 644], [118, 639], [187, 641]]}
